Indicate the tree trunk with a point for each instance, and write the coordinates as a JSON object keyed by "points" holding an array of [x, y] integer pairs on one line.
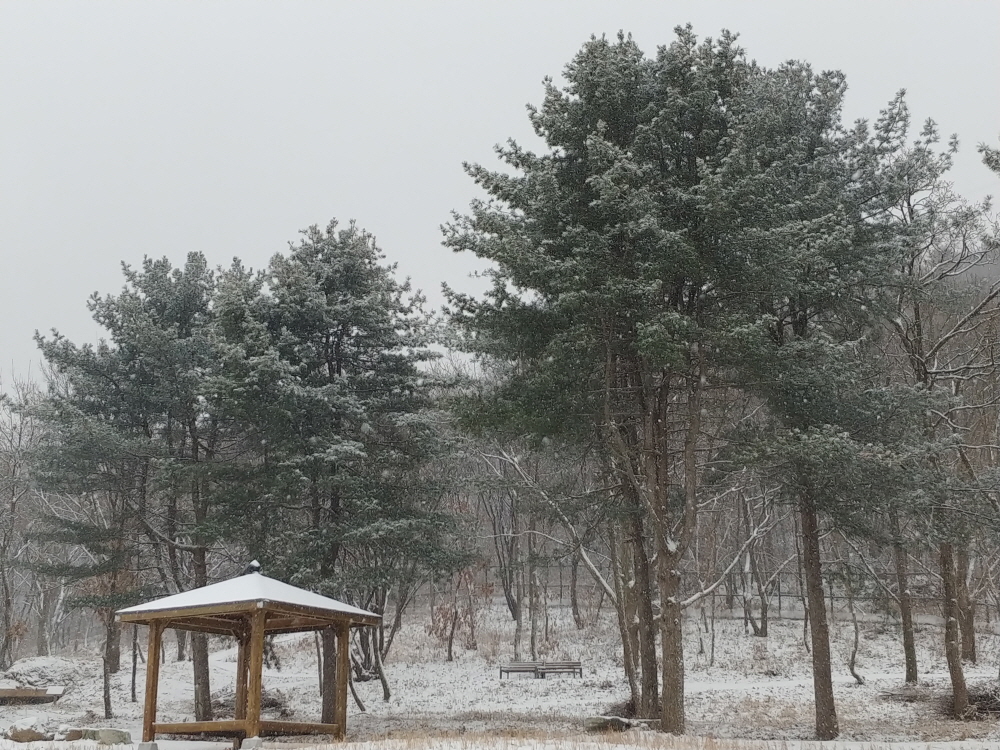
{"points": [[106, 673], [966, 608], [112, 650], [380, 670], [762, 592], [852, 663], [44, 617], [202, 686], [753, 568], [624, 612], [182, 639], [672, 636], [364, 663], [519, 618], [952, 645], [532, 602], [802, 586], [6, 615], [826, 709], [711, 652], [731, 590], [649, 683], [135, 660], [199, 647], [451, 633], [319, 662], [574, 598], [506, 544], [747, 597], [113, 646], [763, 613], [905, 607]]}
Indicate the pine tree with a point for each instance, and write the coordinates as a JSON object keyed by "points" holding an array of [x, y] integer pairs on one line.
{"points": [[321, 367], [802, 207], [605, 291], [132, 414]]}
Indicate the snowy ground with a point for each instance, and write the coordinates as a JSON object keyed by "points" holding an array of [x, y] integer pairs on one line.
{"points": [[758, 690]]}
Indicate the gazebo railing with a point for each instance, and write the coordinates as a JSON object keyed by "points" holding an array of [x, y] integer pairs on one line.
{"points": [[238, 727]]}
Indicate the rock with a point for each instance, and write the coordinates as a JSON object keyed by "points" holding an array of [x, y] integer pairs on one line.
{"points": [[28, 729], [606, 724], [107, 736], [27, 734], [617, 724], [69, 735], [113, 737]]}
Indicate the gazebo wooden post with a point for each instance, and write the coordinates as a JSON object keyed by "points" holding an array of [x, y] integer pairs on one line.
{"points": [[152, 680], [343, 665], [242, 654], [255, 670]]}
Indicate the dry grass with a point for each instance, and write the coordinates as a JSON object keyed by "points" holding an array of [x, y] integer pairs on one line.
{"points": [[529, 739], [617, 741]]}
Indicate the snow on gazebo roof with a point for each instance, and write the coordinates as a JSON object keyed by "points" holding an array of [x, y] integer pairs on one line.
{"points": [[251, 587]]}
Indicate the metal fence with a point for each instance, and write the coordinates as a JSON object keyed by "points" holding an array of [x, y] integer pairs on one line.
{"points": [[785, 593]]}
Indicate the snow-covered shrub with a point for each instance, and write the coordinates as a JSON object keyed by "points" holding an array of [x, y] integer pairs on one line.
{"points": [[42, 671]]}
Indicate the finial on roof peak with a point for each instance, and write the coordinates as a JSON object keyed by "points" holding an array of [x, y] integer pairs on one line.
{"points": [[253, 567]]}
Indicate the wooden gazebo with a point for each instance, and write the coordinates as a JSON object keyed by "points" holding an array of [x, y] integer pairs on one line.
{"points": [[247, 607]]}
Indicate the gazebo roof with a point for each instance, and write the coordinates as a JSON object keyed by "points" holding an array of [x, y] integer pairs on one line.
{"points": [[245, 591]]}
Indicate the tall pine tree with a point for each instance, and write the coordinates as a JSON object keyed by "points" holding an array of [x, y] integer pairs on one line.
{"points": [[322, 367]]}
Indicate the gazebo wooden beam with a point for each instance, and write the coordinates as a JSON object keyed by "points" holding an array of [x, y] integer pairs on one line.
{"points": [[223, 727], [289, 624], [214, 625], [186, 612], [321, 615]]}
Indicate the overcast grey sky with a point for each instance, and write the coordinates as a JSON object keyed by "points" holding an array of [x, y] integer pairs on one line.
{"points": [[157, 128]]}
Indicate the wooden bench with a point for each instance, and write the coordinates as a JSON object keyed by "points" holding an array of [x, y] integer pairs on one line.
{"points": [[514, 667], [9, 696], [541, 668], [574, 668]]}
